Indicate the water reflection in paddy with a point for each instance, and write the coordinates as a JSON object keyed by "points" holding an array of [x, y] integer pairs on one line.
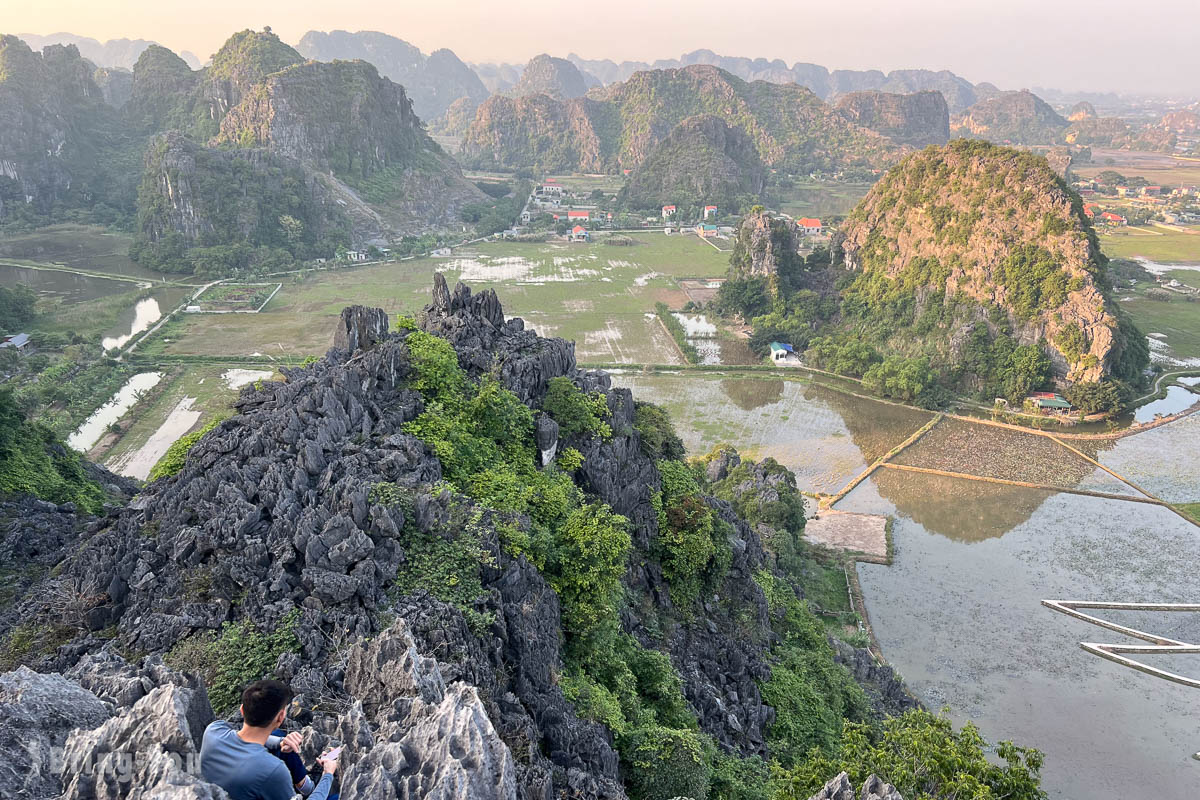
{"points": [[824, 436], [959, 615], [68, 285]]}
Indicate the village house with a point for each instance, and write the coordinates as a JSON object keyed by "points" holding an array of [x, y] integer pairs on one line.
{"points": [[1151, 191], [710, 211], [1110, 218], [809, 226], [1050, 403], [706, 231], [18, 342], [668, 211], [580, 234], [1090, 209], [355, 256], [781, 351], [578, 216]]}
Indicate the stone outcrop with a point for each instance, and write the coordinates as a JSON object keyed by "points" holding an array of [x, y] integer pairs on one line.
{"points": [[917, 119], [840, 788], [764, 244], [274, 519]]}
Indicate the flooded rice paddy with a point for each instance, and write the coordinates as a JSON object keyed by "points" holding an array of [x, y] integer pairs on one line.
{"points": [[824, 436], [96, 425], [70, 286], [959, 612]]}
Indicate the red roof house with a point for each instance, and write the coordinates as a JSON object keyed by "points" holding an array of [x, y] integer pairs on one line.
{"points": [[578, 215]]}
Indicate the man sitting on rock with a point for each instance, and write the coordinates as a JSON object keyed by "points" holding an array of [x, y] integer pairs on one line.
{"points": [[259, 762]]}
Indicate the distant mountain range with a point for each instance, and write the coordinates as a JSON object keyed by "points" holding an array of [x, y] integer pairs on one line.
{"points": [[120, 53], [260, 157]]}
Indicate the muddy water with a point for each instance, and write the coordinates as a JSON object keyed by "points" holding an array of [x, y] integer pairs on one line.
{"points": [[959, 615], [823, 436], [142, 314], [68, 285], [1177, 399], [93, 427]]}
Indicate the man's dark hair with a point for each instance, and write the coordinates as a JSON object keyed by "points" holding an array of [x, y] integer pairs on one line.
{"points": [[262, 700]]}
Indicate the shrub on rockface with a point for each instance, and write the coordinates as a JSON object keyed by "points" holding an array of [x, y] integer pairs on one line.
{"points": [[687, 530], [239, 653], [576, 411], [922, 755], [34, 462]]}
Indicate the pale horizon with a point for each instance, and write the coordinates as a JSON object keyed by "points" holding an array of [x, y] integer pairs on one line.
{"points": [[1093, 47]]}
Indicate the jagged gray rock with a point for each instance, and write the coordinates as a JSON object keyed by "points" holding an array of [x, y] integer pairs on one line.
{"points": [[840, 788], [37, 713]]}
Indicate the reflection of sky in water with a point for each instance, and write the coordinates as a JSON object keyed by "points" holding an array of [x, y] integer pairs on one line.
{"points": [[1177, 400], [144, 314], [1164, 461], [68, 285], [962, 621], [819, 434]]}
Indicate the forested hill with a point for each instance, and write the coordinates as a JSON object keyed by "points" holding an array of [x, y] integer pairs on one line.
{"points": [[617, 127], [967, 268]]}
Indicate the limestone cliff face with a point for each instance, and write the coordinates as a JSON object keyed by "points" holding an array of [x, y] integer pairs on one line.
{"points": [[998, 227], [763, 246], [918, 119], [1011, 117], [54, 127], [200, 195], [702, 160], [344, 121], [618, 126]]}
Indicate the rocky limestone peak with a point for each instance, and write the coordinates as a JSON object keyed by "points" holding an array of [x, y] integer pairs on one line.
{"points": [[1081, 111], [555, 77], [1025, 247]]}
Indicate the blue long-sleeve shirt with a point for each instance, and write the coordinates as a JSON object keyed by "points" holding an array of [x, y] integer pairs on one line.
{"points": [[247, 771]]}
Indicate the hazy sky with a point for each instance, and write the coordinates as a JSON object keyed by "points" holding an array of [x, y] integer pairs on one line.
{"points": [[1121, 45]]}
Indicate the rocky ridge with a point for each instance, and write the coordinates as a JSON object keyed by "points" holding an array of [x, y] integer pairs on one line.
{"points": [[701, 159], [917, 119], [434, 82], [275, 519], [619, 125], [1011, 118]]}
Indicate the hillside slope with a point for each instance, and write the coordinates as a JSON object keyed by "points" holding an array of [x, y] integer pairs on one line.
{"points": [[556, 77], [917, 119], [1011, 117], [61, 145], [485, 571]]}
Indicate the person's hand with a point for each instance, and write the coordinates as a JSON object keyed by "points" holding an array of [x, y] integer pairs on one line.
{"points": [[330, 765], [292, 742]]}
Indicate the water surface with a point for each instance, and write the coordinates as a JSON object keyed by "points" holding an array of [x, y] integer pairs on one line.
{"points": [[959, 615], [94, 427]]}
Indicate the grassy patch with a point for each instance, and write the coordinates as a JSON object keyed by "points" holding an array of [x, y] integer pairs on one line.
{"points": [[1178, 319], [1170, 247], [1192, 510]]}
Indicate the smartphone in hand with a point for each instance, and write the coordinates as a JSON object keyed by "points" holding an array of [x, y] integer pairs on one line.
{"points": [[333, 754]]}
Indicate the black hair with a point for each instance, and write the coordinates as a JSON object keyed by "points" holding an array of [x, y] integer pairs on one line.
{"points": [[262, 700]]}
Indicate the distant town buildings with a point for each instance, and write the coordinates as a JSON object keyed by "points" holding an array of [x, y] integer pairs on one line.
{"points": [[668, 211]]}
